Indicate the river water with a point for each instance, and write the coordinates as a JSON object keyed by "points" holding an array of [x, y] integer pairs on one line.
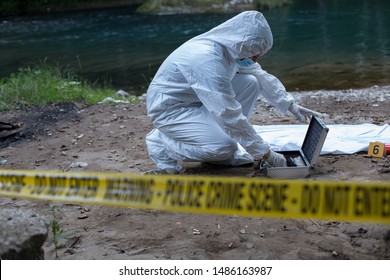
{"points": [[318, 44]]}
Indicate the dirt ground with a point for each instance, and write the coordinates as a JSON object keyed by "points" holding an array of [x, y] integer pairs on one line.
{"points": [[111, 138]]}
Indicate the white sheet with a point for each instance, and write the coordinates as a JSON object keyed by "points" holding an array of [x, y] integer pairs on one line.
{"points": [[341, 139]]}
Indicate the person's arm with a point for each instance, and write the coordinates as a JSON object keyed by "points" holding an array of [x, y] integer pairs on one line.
{"points": [[275, 93], [272, 89]]}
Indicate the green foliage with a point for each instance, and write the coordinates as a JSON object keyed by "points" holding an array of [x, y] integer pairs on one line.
{"points": [[17, 7], [44, 84], [56, 230], [13, 7], [9, 7], [267, 4]]}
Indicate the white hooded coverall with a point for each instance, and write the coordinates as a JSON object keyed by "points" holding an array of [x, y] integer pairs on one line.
{"points": [[200, 102]]}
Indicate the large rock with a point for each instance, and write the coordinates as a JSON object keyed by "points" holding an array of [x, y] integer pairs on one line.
{"points": [[197, 6], [206, 6], [22, 234]]}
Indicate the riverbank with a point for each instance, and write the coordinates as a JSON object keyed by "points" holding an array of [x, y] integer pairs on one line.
{"points": [[111, 138], [207, 6], [45, 84], [20, 8], [12, 7]]}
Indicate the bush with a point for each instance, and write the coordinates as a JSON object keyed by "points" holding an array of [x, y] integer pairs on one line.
{"points": [[45, 84]]}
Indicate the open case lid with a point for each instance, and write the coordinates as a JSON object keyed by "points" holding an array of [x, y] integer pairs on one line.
{"points": [[314, 139]]}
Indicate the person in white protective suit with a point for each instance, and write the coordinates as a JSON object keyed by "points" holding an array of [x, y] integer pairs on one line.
{"points": [[203, 94]]}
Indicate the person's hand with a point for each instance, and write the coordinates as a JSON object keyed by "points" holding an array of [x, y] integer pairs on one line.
{"points": [[275, 159], [301, 113]]}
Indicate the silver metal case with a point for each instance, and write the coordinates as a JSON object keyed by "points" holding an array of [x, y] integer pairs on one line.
{"points": [[306, 156]]}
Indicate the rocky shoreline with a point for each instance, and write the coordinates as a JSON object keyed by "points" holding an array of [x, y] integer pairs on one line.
{"points": [[17, 8], [111, 138], [374, 94]]}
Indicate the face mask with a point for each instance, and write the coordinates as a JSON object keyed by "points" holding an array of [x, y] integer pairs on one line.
{"points": [[244, 62]]}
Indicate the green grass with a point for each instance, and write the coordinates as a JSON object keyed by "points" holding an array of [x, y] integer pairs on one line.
{"points": [[44, 84], [56, 230]]}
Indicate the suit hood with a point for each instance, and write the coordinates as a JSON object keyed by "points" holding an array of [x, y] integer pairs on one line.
{"points": [[245, 35]]}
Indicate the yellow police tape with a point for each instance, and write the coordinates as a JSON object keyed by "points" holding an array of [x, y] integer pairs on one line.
{"points": [[349, 201]]}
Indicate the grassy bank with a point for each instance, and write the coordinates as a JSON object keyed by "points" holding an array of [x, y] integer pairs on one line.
{"points": [[44, 84]]}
